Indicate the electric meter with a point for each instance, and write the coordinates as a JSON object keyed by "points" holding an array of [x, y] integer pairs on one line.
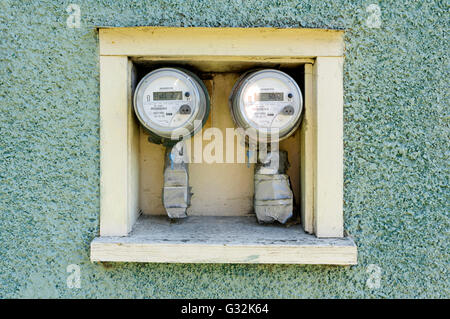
{"points": [[269, 101], [171, 103]]}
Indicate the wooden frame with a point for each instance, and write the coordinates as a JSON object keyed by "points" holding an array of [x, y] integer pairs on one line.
{"points": [[119, 144], [211, 239], [321, 131]]}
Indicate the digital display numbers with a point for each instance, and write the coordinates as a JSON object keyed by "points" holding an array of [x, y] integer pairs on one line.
{"points": [[167, 96], [272, 96]]}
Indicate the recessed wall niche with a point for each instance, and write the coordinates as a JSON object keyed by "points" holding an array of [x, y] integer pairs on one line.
{"points": [[221, 228]]}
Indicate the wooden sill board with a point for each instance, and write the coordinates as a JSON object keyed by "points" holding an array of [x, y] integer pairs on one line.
{"points": [[215, 239]]}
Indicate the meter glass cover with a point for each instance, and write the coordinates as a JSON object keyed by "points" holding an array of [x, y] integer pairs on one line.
{"points": [[269, 101], [163, 108]]}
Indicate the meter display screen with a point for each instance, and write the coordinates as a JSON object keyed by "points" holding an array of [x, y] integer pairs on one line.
{"points": [[272, 96], [167, 96]]}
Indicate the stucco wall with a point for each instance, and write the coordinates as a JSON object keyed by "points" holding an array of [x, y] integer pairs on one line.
{"points": [[396, 143]]}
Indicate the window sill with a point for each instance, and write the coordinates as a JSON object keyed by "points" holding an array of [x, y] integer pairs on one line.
{"points": [[214, 239]]}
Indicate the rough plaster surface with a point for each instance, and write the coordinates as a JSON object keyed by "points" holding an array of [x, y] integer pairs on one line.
{"points": [[396, 151]]}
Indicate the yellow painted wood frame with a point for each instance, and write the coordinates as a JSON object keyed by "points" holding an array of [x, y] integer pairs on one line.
{"points": [[321, 132]]}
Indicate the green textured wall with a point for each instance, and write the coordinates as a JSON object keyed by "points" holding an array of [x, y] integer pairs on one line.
{"points": [[396, 151]]}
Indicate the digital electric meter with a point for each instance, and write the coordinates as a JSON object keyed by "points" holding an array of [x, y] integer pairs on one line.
{"points": [[171, 103], [269, 101]]}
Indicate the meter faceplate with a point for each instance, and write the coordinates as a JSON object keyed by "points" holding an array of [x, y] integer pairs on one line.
{"points": [[267, 100], [167, 101]]}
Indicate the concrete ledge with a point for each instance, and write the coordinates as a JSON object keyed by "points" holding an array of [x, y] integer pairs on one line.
{"points": [[205, 239]]}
